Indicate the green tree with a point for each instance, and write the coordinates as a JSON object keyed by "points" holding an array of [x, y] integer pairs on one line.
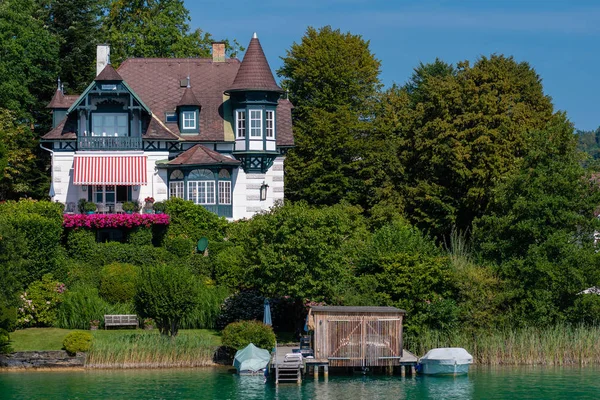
{"points": [[332, 78], [466, 128], [76, 24], [539, 228], [167, 295], [154, 28]]}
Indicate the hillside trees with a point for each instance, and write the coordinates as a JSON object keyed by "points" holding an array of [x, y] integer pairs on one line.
{"points": [[332, 78]]}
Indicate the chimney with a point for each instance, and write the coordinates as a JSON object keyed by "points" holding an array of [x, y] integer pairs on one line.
{"points": [[218, 51], [102, 57]]}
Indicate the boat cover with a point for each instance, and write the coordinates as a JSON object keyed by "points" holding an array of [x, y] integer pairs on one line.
{"points": [[447, 355], [251, 358]]}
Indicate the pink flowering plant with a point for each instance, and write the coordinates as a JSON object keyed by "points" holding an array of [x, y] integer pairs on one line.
{"points": [[40, 302], [149, 199], [99, 221]]}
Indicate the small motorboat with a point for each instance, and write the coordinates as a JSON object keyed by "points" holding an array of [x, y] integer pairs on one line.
{"points": [[445, 361], [251, 360]]}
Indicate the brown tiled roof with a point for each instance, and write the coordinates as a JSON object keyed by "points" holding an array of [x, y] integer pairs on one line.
{"points": [[188, 98], [254, 73], [60, 100], [158, 130], [108, 74], [283, 120], [201, 155], [64, 130]]}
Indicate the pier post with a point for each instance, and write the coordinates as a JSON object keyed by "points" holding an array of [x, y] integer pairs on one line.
{"points": [[326, 372], [316, 372], [413, 372], [402, 371]]}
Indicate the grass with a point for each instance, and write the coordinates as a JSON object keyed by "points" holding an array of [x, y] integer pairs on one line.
{"points": [[128, 348], [558, 345]]}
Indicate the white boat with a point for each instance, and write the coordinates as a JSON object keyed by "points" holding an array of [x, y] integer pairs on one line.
{"points": [[445, 361], [251, 360]]}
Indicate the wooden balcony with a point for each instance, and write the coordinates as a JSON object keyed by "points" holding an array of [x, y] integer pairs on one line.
{"points": [[109, 143]]}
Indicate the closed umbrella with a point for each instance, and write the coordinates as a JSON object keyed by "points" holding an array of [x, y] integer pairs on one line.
{"points": [[267, 315]]}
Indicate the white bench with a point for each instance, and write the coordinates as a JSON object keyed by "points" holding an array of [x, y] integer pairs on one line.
{"points": [[121, 320]]}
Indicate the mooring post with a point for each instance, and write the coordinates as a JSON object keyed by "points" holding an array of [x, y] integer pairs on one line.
{"points": [[326, 372], [316, 372], [402, 371], [412, 370]]}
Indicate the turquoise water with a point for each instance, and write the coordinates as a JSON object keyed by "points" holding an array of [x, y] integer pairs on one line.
{"points": [[219, 383]]}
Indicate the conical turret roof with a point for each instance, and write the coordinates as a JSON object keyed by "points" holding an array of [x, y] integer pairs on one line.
{"points": [[254, 72], [188, 98]]}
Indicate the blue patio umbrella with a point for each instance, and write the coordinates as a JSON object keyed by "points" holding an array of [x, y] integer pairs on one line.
{"points": [[267, 315]]}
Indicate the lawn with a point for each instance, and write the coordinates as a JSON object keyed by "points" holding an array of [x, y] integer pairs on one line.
{"points": [[51, 338]]}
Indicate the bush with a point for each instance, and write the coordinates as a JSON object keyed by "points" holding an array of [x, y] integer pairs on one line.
{"points": [[39, 303], [81, 244], [83, 304], [5, 346], [240, 334], [8, 318], [89, 207], [179, 246], [242, 306], [159, 206], [81, 205], [204, 315], [117, 282], [140, 236], [77, 341], [167, 295], [194, 221], [128, 206]]}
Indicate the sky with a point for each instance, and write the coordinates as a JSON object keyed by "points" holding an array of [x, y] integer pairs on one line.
{"points": [[559, 39]]}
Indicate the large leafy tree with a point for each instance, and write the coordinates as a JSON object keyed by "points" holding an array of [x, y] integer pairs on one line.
{"points": [[539, 227], [76, 24], [332, 78], [465, 128], [153, 28]]}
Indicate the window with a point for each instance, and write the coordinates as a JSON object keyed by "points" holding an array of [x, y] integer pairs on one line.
{"points": [[171, 117], [104, 194], [189, 120], [270, 122], [176, 184], [224, 187], [256, 123], [201, 186], [110, 124], [241, 123]]}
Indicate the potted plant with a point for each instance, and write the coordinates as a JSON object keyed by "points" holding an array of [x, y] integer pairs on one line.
{"points": [[137, 206], [94, 324], [148, 324], [159, 207], [90, 207], [81, 206], [128, 207]]}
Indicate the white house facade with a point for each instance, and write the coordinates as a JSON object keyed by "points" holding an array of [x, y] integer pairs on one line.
{"points": [[213, 131]]}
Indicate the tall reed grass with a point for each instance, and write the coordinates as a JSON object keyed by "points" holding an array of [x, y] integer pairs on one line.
{"points": [[142, 349], [558, 345]]}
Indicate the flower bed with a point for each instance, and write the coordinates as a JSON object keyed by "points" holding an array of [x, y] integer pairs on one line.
{"points": [[99, 221]]}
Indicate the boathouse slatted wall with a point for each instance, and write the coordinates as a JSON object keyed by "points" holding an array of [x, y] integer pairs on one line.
{"points": [[357, 336]]}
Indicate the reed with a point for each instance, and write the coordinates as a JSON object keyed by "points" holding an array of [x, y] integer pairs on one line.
{"points": [[141, 349], [557, 345]]}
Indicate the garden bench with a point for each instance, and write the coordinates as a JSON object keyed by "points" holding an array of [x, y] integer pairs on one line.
{"points": [[121, 320]]}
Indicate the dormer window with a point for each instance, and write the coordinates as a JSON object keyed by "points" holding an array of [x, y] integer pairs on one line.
{"points": [[240, 117], [189, 119], [110, 124]]}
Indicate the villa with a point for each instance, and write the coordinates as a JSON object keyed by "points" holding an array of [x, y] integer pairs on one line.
{"points": [[214, 131]]}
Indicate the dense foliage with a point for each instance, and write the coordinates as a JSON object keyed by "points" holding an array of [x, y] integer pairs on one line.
{"points": [[240, 334], [77, 341]]}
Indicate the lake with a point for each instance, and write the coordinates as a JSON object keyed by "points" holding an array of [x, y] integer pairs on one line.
{"points": [[219, 383]]}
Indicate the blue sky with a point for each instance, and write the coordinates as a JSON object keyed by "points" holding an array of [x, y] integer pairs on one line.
{"points": [[560, 39]]}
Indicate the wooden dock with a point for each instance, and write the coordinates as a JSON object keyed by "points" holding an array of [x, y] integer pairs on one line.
{"points": [[292, 372]]}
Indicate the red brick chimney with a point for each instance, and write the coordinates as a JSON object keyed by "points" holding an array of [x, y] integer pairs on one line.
{"points": [[218, 51]]}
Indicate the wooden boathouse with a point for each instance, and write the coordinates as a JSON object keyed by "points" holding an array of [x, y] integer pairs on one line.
{"points": [[357, 336]]}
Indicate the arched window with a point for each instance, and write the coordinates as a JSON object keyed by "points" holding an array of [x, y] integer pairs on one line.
{"points": [[176, 184], [201, 186], [224, 187]]}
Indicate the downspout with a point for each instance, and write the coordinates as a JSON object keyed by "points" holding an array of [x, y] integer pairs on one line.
{"points": [[51, 193]]}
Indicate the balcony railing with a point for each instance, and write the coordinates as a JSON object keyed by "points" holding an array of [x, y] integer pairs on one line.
{"points": [[109, 143]]}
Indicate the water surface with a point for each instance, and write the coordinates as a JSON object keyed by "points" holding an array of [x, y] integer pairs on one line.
{"points": [[220, 383]]}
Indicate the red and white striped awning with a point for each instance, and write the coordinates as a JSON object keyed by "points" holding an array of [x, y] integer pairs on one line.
{"points": [[110, 170]]}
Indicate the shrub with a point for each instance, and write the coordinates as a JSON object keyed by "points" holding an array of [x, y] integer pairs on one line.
{"points": [[194, 221], [128, 206], [81, 205], [159, 207], [83, 304], [82, 273], [89, 207], [167, 295], [242, 306], [81, 244], [240, 334], [179, 246], [140, 236], [208, 307], [5, 346], [117, 282], [39, 303], [8, 318], [77, 341]]}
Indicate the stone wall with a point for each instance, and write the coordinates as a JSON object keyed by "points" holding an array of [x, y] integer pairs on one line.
{"points": [[42, 359]]}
